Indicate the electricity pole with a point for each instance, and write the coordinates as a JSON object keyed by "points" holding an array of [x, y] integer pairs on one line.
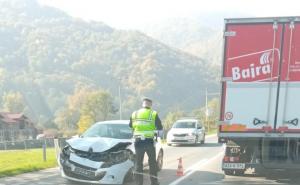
{"points": [[206, 106], [120, 99]]}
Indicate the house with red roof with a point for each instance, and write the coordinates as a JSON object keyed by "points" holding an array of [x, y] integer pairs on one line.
{"points": [[16, 126]]}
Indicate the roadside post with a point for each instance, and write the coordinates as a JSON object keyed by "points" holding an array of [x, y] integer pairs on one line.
{"points": [[57, 149], [44, 151], [25, 145]]}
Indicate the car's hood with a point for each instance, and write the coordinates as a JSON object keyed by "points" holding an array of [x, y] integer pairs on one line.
{"points": [[182, 130], [98, 144]]}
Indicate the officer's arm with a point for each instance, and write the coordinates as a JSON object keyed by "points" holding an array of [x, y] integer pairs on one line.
{"points": [[158, 124], [159, 127]]}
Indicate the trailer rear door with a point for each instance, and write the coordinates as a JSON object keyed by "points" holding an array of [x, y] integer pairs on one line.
{"points": [[289, 95], [250, 76]]}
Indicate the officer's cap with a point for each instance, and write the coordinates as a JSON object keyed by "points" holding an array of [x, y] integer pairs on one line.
{"points": [[147, 99]]}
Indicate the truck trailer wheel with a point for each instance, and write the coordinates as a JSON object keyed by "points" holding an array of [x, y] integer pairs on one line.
{"points": [[234, 172], [228, 172], [239, 172]]}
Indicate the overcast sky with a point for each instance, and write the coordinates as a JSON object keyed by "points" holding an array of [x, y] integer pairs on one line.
{"points": [[130, 14]]}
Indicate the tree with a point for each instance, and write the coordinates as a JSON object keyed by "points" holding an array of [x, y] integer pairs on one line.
{"points": [[66, 120], [212, 114], [13, 102], [171, 117], [98, 106], [85, 122], [3, 76]]}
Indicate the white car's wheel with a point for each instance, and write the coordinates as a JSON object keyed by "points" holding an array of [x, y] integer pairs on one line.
{"points": [[129, 176], [160, 160], [203, 141], [196, 141]]}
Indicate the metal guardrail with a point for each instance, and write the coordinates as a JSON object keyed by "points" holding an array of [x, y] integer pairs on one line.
{"points": [[16, 134], [31, 144]]}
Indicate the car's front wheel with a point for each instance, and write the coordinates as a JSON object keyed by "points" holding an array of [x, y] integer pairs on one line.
{"points": [[129, 176], [203, 141], [160, 160], [196, 140]]}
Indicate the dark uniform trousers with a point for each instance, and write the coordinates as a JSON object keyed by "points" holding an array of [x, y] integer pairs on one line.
{"points": [[142, 147]]}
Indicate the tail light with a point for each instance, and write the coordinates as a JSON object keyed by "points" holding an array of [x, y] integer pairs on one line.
{"points": [[226, 159], [231, 159]]}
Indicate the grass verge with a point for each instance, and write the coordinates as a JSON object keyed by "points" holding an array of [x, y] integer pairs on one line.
{"points": [[15, 162], [212, 131]]}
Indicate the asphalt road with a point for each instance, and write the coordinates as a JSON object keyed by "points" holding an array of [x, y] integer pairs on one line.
{"points": [[202, 165]]}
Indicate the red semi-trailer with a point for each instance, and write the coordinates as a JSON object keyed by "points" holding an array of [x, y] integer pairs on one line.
{"points": [[260, 101]]}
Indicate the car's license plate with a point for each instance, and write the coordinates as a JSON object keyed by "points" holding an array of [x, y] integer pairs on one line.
{"points": [[233, 165], [84, 172]]}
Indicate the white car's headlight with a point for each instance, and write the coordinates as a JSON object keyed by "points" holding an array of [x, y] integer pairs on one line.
{"points": [[67, 150], [170, 135], [118, 157]]}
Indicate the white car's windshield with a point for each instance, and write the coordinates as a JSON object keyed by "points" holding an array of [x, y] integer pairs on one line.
{"points": [[117, 131], [184, 125]]}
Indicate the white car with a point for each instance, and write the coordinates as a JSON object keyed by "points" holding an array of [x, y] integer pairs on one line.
{"points": [[186, 131], [104, 154]]}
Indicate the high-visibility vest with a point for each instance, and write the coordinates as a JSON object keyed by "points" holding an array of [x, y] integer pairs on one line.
{"points": [[143, 123]]}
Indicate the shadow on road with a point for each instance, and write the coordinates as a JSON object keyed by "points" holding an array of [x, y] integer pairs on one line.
{"points": [[212, 145], [268, 177], [198, 145], [202, 177], [168, 176], [285, 177]]}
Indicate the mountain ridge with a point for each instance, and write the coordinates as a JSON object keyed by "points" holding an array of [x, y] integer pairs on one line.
{"points": [[48, 57]]}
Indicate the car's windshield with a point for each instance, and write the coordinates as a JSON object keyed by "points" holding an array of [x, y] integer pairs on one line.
{"points": [[117, 131], [184, 124]]}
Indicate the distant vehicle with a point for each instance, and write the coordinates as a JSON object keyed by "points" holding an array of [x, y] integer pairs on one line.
{"points": [[260, 100], [104, 154], [186, 131]]}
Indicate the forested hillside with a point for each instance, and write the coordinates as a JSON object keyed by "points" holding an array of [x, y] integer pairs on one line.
{"points": [[47, 56], [199, 35]]}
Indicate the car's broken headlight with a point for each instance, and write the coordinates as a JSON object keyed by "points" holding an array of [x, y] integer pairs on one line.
{"points": [[67, 150], [118, 157]]}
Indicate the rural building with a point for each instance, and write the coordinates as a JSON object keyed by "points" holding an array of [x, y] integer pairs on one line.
{"points": [[14, 127]]}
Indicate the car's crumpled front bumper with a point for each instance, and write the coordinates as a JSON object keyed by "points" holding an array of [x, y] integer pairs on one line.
{"points": [[84, 170]]}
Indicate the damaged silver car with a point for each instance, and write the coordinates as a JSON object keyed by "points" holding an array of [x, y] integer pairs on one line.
{"points": [[104, 154]]}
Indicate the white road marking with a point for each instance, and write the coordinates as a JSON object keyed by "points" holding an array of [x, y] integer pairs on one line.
{"points": [[194, 168]]}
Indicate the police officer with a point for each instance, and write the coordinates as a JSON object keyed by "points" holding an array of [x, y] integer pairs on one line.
{"points": [[144, 123]]}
